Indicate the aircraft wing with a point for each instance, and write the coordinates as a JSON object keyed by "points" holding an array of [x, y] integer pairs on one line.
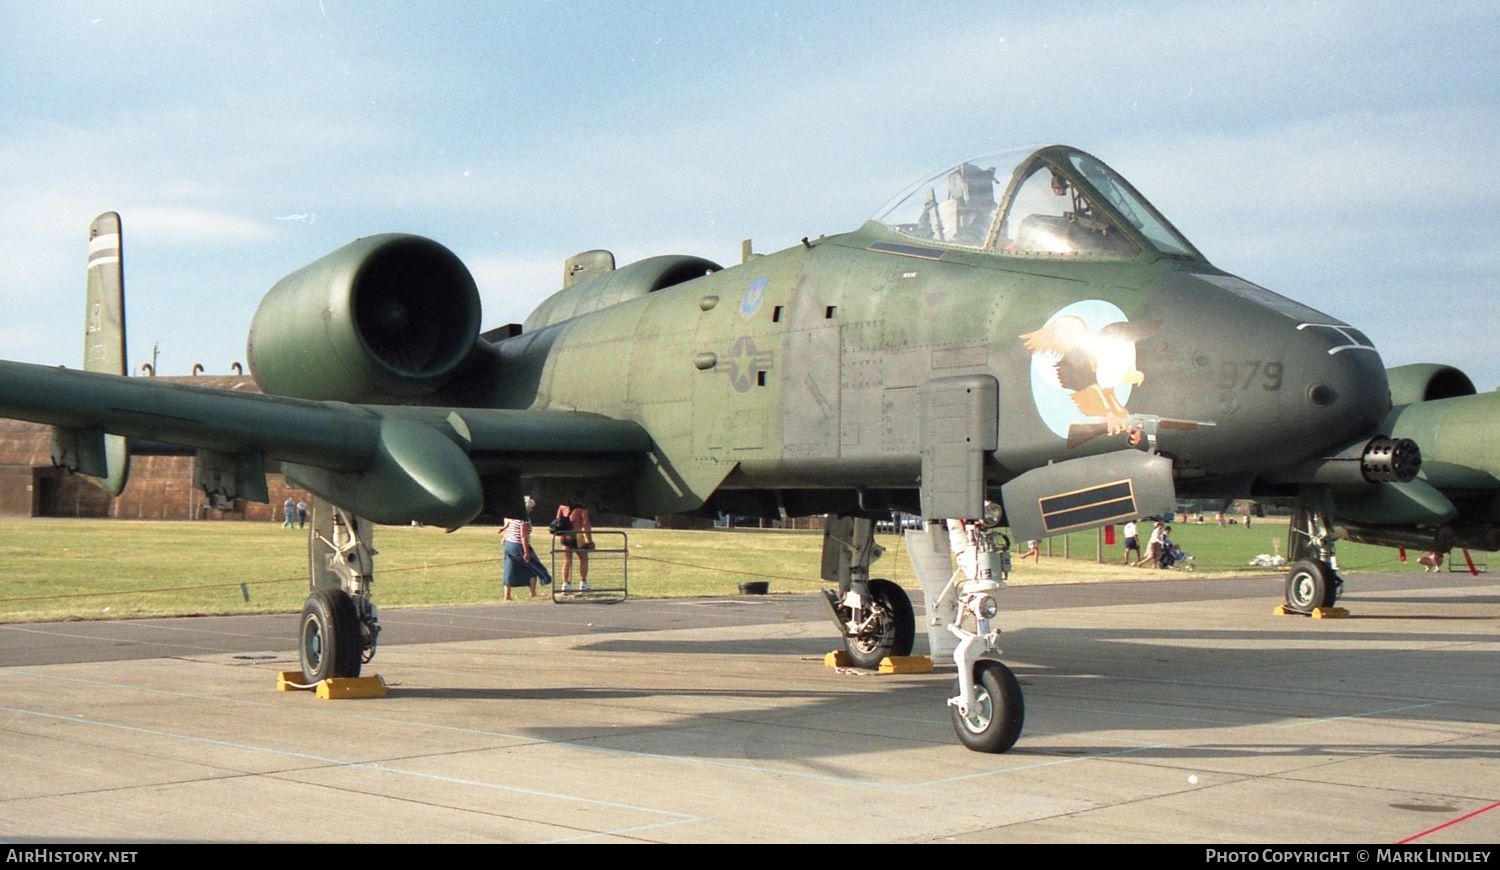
{"points": [[389, 463]]}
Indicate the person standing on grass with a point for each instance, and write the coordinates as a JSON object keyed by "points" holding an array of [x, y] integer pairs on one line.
{"points": [[521, 563], [576, 534], [1153, 546], [1132, 542]]}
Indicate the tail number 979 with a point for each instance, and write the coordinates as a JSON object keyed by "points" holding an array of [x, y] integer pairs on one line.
{"points": [[1235, 375]]}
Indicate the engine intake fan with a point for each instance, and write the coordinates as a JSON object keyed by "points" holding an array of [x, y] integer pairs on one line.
{"points": [[384, 318]]}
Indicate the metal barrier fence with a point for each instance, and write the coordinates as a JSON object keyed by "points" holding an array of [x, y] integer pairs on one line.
{"points": [[600, 574]]}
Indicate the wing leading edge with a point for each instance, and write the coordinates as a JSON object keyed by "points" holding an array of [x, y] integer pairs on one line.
{"points": [[389, 463]]}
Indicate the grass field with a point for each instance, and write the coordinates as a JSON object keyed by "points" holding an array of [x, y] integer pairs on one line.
{"points": [[54, 569]]}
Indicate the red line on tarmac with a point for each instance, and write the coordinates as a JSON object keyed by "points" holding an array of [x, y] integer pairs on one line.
{"points": [[1448, 824]]}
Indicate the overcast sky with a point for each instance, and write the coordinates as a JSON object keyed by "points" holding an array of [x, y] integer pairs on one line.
{"points": [[1339, 153]]}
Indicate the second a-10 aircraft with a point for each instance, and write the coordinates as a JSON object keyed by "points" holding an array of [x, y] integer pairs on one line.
{"points": [[1023, 330]]}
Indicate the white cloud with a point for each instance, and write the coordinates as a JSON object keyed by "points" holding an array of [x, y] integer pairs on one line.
{"points": [[191, 226]]}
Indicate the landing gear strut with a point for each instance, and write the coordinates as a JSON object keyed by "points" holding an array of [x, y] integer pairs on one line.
{"points": [[875, 616], [340, 625], [876, 619], [1313, 580], [987, 706]]}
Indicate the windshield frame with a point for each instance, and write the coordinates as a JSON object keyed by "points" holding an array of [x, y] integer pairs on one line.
{"points": [[1130, 215]]}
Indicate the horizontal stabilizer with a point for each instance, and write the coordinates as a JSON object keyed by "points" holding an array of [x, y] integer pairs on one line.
{"points": [[1088, 492]]}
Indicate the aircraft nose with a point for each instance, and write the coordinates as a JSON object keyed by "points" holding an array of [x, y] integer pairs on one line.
{"points": [[1277, 382], [1336, 389]]}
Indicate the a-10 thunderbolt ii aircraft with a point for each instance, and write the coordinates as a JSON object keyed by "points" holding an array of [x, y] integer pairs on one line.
{"points": [[1022, 328]]}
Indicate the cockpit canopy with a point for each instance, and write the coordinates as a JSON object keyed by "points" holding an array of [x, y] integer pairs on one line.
{"points": [[1055, 201]]}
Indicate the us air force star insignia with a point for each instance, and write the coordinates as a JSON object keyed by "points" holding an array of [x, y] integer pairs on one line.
{"points": [[744, 362]]}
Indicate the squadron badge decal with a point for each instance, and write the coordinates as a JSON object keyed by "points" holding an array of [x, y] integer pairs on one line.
{"points": [[1083, 369], [754, 293]]}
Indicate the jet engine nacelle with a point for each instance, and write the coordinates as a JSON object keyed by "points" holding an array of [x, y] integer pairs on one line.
{"points": [[1424, 382], [384, 318], [611, 286]]}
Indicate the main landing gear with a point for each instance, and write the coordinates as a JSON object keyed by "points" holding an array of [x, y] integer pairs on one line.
{"points": [[874, 616], [340, 625]]}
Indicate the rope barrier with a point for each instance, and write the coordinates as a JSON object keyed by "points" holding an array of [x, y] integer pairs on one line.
{"points": [[382, 572], [716, 570], [235, 584], [894, 551]]}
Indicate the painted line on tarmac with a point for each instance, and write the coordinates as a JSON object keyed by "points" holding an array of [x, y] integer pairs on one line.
{"points": [[673, 817], [1303, 723], [1448, 824], [111, 639]]}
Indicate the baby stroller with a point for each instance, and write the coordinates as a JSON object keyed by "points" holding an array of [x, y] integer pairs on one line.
{"points": [[1172, 555]]}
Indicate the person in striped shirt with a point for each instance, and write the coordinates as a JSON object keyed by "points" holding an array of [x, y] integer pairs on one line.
{"points": [[521, 563]]}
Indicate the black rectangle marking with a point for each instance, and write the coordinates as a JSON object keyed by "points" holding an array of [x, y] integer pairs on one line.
{"points": [[1092, 495], [1095, 505], [1092, 515]]}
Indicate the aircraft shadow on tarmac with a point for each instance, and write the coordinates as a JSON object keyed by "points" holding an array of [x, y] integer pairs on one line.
{"points": [[1127, 685]]}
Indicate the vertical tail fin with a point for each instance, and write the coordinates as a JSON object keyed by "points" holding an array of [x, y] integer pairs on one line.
{"points": [[106, 457], [104, 325]]}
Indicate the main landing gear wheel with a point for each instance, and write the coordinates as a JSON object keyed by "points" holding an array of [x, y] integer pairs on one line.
{"points": [[890, 631], [329, 640], [1309, 585], [996, 713]]}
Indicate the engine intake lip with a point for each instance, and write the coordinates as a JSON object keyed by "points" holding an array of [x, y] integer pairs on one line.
{"points": [[415, 307]]}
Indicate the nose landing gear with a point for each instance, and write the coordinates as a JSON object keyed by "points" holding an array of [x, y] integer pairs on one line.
{"points": [[1313, 581]]}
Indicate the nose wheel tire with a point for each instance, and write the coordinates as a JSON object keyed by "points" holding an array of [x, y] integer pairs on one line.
{"points": [[329, 641], [996, 712], [892, 632], [1309, 585]]}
